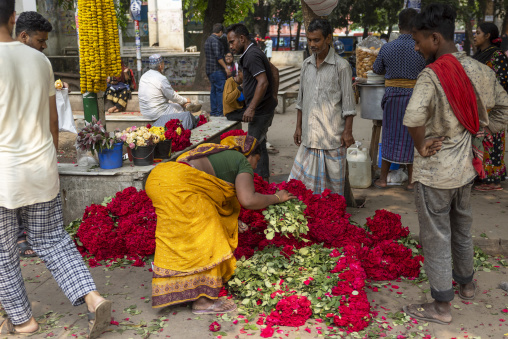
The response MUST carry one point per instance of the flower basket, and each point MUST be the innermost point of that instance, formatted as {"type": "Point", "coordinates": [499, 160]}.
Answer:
{"type": "Point", "coordinates": [143, 155]}
{"type": "Point", "coordinates": [111, 158]}
{"type": "Point", "coordinates": [163, 150]}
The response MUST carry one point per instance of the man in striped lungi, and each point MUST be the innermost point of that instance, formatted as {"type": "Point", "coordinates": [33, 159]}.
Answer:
{"type": "Point", "coordinates": [326, 108]}
{"type": "Point", "coordinates": [402, 65]}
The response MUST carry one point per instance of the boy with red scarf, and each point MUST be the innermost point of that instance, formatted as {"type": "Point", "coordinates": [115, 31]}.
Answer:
{"type": "Point", "coordinates": [454, 99]}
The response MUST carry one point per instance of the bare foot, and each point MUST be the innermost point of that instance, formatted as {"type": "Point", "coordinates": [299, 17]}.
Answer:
{"type": "Point", "coordinates": [28, 251]}
{"type": "Point", "coordinates": [410, 187]}
{"type": "Point", "coordinates": [206, 306]}
{"type": "Point", "coordinates": [111, 109]}
{"type": "Point", "coordinates": [437, 311]}
{"type": "Point", "coordinates": [380, 183]}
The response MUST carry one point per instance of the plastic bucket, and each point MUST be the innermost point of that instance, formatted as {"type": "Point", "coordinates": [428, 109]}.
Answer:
{"type": "Point", "coordinates": [163, 150]}
{"type": "Point", "coordinates": [393, 167]}
{"type": "Point", "coordinates": [111, 158]}
{"type": "Point", "coordinates": [143, 155]}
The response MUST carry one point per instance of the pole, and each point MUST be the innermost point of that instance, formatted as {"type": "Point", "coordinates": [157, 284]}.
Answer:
{"type": "Point", "coordinates": [138, 48]}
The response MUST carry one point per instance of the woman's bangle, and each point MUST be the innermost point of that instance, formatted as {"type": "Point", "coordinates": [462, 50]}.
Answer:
{"type": "Point", "coordinates": [277, 197]}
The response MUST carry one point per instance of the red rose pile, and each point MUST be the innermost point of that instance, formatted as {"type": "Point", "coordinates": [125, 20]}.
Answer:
{"type": "Point", "coordinates": [124, 227]}
{"type": "Point", "coordinates": [180, 137]}
{"type": "Point", "coordinates": [202, 120]}
{"type": "Point", "coordinates": [290, 311]}
{"type": "Point", "coordinates": [378, 250]}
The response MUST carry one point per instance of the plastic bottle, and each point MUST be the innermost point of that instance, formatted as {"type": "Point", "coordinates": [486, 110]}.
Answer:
{"type": "Point", "coordinates": [359, 164]}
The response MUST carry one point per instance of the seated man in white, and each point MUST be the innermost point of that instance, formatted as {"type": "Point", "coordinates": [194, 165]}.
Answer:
{"type": "Point", "coordinates": [158, 101]}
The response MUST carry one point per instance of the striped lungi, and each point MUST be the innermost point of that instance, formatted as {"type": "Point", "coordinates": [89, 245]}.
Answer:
{"type": "Point", "coordinates": [397, 144]}
{"type": "Point", "coordinates": [320, 169]}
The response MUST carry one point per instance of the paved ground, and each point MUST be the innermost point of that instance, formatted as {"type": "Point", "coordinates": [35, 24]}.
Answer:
{"type": "Point", "coordinates": [129, 288]}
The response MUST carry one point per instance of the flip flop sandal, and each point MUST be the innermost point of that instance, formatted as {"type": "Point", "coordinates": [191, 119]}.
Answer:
{"type": "Point", "coordinates": [463, 297]}
{"type": "Point", "coordinates": [487, 188]}
{"type": "Point", "coordinates": [99, 320]}
{"type": "Point", "coordinates": [7, 327]}
{"type": "Point", "coordinates": [424, 315]}
{"type": "Point", "coordinates": [213, 308]}
{"type": "Point", "coordinates": [23, 247]}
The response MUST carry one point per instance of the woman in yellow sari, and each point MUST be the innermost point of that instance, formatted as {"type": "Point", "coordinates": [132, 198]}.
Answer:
{"type": "Point", "coordinates": [197, 200]}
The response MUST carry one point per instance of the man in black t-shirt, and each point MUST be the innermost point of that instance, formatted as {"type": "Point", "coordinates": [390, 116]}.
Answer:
{"type": "Point", "coordinates": [260, 86]}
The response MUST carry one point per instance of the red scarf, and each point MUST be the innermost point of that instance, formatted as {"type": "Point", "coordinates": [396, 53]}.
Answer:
{"type": "Point", "coordinates": [462, 98]}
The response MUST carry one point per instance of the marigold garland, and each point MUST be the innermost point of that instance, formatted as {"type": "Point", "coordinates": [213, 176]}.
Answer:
{"type": "Point", "coordinates": [99, 45]}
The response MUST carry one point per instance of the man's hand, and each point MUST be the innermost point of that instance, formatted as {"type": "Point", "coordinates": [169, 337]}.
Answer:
{"type": "Point", "coordinates": [347, 139]}
{"type": "Point", "coordinates": [228, 73]}
{"type": "Point", "coordinates": [66, 85]}
{"type": "Point", "coordinates": [298, 136]}
{"type": "Point", "coordinates": [248, 115]}
{"type": "Point", "coordinates": [430, 146]}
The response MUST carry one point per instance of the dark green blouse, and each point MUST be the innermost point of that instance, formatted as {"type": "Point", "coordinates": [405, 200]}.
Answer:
{"type": "Point", "coordinates": [228, 164]}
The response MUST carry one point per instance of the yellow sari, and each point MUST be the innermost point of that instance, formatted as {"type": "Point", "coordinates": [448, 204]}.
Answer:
{"type": "Point", "coordinates": [196, 235]}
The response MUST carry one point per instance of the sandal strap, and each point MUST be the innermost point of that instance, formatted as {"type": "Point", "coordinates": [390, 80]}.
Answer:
{"type": "Point", "coordinates": [91, 315]}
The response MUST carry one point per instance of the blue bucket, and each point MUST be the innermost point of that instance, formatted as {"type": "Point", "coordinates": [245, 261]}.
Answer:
{"type": "Point", "coordinates": [111, 158]}
{"type": "Point", "coordinates": [393, 167]}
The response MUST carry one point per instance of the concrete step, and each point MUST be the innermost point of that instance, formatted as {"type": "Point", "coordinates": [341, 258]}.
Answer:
{"type": "Point", "coordinates": [283, 86]}
{"type": "Point", "coordinates": [289, 76]}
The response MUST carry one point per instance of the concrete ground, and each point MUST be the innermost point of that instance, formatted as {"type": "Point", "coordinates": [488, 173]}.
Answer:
{"type": "Point", "coordinates": [129, 287]}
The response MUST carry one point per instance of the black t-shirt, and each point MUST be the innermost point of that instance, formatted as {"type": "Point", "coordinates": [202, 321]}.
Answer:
{"type": "Point", "coordinates": [254, 62]}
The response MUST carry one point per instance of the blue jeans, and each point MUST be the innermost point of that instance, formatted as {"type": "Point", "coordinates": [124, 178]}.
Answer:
{"type": "Point", "coordinates": [217, 80]}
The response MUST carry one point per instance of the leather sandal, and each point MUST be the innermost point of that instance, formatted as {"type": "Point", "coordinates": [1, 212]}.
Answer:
{"type": "Point", "coordinates": [7, 327]}
{"type": "Point", "coordinates": [99, 320]}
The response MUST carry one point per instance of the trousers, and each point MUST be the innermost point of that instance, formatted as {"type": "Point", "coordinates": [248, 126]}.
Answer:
{"type": "Point", "coordinates": [258, 129]}
{"type": "Point", "coordinates": [46, 234]}
{"type": "Point", "coordinates": [445, 219]}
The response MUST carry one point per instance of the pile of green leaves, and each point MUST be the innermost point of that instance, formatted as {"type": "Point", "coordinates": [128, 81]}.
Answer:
{"type": "Point", "coordinates": [286, 218]}
{"type": "Point", "coordinates": [268, 271]}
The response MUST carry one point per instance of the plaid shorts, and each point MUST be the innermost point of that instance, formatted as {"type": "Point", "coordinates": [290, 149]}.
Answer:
{"type": "Point", "coordinates": [46, 234]}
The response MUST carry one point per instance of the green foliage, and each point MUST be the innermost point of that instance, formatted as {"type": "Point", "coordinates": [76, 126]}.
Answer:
{"type": "Point", "coordinates": [481, 261]}
{"type": "Point", "coordinates": [73, 227]}
{"type": "Point", "coordinates": [122, 13]}
{"type": "Point", "coordinates": [286, 218]}
{"type": "Point", "coordinates": [236, 10]}
{"type": "Point", "coordinates": [269, 271]}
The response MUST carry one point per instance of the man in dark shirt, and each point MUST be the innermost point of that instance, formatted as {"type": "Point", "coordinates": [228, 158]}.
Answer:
{"type": "Point", "coordinates": [216, 69]}
{"type": "Point", "coordinates": [260, 86]}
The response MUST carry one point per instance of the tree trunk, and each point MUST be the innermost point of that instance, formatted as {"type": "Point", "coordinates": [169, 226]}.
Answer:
{"type": "Point", "coordinates": [278, 34]}
{"type": "Point", "coordinates": [214, 13]}
{"type": "Point", "coordinates": [365, 31]}
{"type": "Point", "coordinates": [259, 17]}
{"type": "Point", "coordinates": [298, 31]}
{"type": "Point", "coordinates": [469, 41]}
{"type": "Point", "coordinates": [308, 15]}
{"type": "Point", "coordinates": [290, 36]}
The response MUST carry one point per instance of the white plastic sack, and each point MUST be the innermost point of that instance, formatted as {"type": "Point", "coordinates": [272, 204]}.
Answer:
{"type": "Point", "coordinates": [65, 117]}
{"type": "Point", "coordinates": [322, 8]}
{"type": "Point", "coordinates": [397, 177]}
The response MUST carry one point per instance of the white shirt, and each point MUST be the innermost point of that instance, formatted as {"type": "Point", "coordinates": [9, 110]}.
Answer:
{"type": "Point", "coordinates": [268, 48]}
{"type": "Point", "coordinates": [154, 93]}
{"type": "Point", "coordinates": [28, 164]}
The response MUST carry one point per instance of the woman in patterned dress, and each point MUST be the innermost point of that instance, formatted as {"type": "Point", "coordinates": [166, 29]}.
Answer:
{"type": "Point", "coordinates": [487, 41]}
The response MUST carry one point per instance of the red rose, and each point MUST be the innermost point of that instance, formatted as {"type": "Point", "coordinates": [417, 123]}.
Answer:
{"type": "Point", "coordinates": [267, 332]}
{"type": "Point", "coordinates": [214, 327]}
